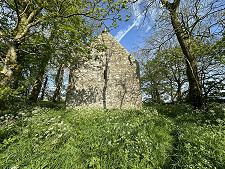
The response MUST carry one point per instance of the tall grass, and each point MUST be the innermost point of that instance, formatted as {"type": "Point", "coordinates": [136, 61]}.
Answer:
{"type": "Point", "coordinates": [199, 135]}
{"type": "Point", "coordinates": [48, 136]}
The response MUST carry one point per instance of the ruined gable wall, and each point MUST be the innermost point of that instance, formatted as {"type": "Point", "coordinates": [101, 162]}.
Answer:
{"type": "Point", "coordinates": [112, 81]}
{"type": "Point", "coordinates": [85, 85]}
{"type": "Point", "coordinates": [123, 77]}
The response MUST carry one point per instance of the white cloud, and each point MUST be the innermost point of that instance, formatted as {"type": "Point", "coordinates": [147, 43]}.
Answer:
{"type": "Point", "coordinates": [123, 32]}
{"type": "Point", "coordinates": [138, 18]}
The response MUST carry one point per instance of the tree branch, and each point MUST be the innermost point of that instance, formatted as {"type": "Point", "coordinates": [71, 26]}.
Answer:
{"type": "Point", "coordinates": [25, 9]}
{"type": "Point", "coordinates": [171, 6]}
{"type": "Point", "coordinates": [17, 10]}
{"type": "Point", "coordinates": [3, 36]}
{"type": "Point", "coordinates": [166, 3]}
{"type": "Point", "coordinates": [84, 14]}
{"type": "Point", "coordinates": [33, 14]}
{"type": "Point", "coordinates": [176, 3]}
{"type": "Point", "coordinates": [212, 86]}
{"type": "Point", "coordinates": [21, 35]}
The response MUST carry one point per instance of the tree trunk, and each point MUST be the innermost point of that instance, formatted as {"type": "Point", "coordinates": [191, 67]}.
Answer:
{"type": "Point", "coordinates": [44, 88]}
{"type": "Point", "coordinates": [9, 64]}
{"type": "Point", "coordinates": [24, 23]}
{"type": "Point", "coordinates": [157, 95]}
{"type": "Point", "coordinates": [58, 82]}
{"type": "Point", "coordinates": [37, 85]}
{"type": "Point", "coordinates": [179, 86]}
{"type": "Point", "coordinates": [18, 74]}
{"type": "Point", "coordinates": [184, 39]}
{"type": "Point", "coordinates": [179, 95]}
{"type": "Point", "coordinates": [171, 91]}
{"type": "Point", "coordinates": [27, 91]}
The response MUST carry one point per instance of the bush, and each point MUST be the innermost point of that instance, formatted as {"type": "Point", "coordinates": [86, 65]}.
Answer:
{"type": "Point", "coordinates": [7, 96]}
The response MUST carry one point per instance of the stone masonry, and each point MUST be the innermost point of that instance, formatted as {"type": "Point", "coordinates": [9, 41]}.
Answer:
{"type": "Point", "coordinates": [111, 79]}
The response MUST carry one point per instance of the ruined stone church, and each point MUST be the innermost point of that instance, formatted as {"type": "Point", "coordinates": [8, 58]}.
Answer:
{"type": "Point", "coordinates": [111, 79]}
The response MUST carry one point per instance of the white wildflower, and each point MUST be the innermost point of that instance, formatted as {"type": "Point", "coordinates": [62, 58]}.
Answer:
{"type": "Point", "coordinates": [15, 167]}
{"type": "Point", "coordinates": [51, 128]}
{"type": "Point", "coordinates": [26, 131]}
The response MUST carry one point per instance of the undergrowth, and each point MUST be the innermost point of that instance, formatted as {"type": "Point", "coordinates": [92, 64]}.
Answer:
{"type": "Point", "coordinates": [171, 136]}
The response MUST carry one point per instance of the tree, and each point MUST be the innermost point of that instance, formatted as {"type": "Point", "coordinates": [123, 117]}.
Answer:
{"type": "Point", "coordinates": [44, 88]}
{"type": "Point", "coordinates": [211, 68]}
{"type": "Point", "coordinates": [153, 80]}
{"type": "Point", "coordinates": [163, 75]}
{"type": "Point", "coordinates": [187, 21]}
{"type": "Point", "coordinates": [19, 18]}
{"type": "Point", "coordinates": [58, 83]}
{"type": "Point", "coordinates": [174, 62]}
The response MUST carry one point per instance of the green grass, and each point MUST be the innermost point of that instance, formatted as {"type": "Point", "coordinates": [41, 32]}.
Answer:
{"type": "Point", "coordinates": [172, 136]}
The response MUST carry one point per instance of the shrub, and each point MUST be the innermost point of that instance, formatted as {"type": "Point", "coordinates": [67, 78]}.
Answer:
{"type": "Point", "coordinates": [7, 96]}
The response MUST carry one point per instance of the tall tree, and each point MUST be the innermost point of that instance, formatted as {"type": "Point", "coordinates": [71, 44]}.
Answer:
{"type": "Point", "coordinates": [163, 75]}
{"type": "Point", "coordinates": [43, 90]}
{"type": "Point", "coordinates": [186, 19]}
{"type": "Point", "coordinates": [58, 83]}
{"type": "Point", "coordinates": [40, 76]}
{"type": "Point", "coordinates": [18, 18]}
{"type": "Point", "coordinates": [184, 39]}
{"type": "Point", "coordinates": [211, 68]}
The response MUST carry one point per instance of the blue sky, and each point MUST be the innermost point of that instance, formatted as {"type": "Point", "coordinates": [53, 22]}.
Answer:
{"type": "Point", "coordinates": [132, 34]}
{"type": "Point", "coordinates": [133, 39]}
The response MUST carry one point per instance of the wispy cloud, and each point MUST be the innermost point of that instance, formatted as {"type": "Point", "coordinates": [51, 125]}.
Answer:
{"type": "Point", "coordinates": [123, 32]}
{"type": "Point", "coordinates": [138, 17]}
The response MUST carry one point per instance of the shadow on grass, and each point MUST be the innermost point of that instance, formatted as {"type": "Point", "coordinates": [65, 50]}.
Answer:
{"type": "Point", "coordinates": [183, 113]}
{"type": "Point", "coordinates": [52, 105]}
{"type": "Point", "coordinates": [184, 116]}
{"type": "Point", "coordinates": [16, 107]}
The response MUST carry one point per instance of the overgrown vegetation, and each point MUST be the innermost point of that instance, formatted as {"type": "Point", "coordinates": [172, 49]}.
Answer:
{"type": "Point", "coordinates": [182, 62]}
{"type": "Point", "coordinates": [37, 37]}
{"type": "Point", "coordinates": [170, 136]}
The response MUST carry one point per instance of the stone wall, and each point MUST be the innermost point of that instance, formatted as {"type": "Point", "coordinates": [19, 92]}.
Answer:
{"type": "Point", "coordinates": [110, 80]}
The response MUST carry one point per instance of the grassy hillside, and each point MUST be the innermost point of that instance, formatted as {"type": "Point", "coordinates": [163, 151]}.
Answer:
{"type": "Point", "coordinates": [170, 136]}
